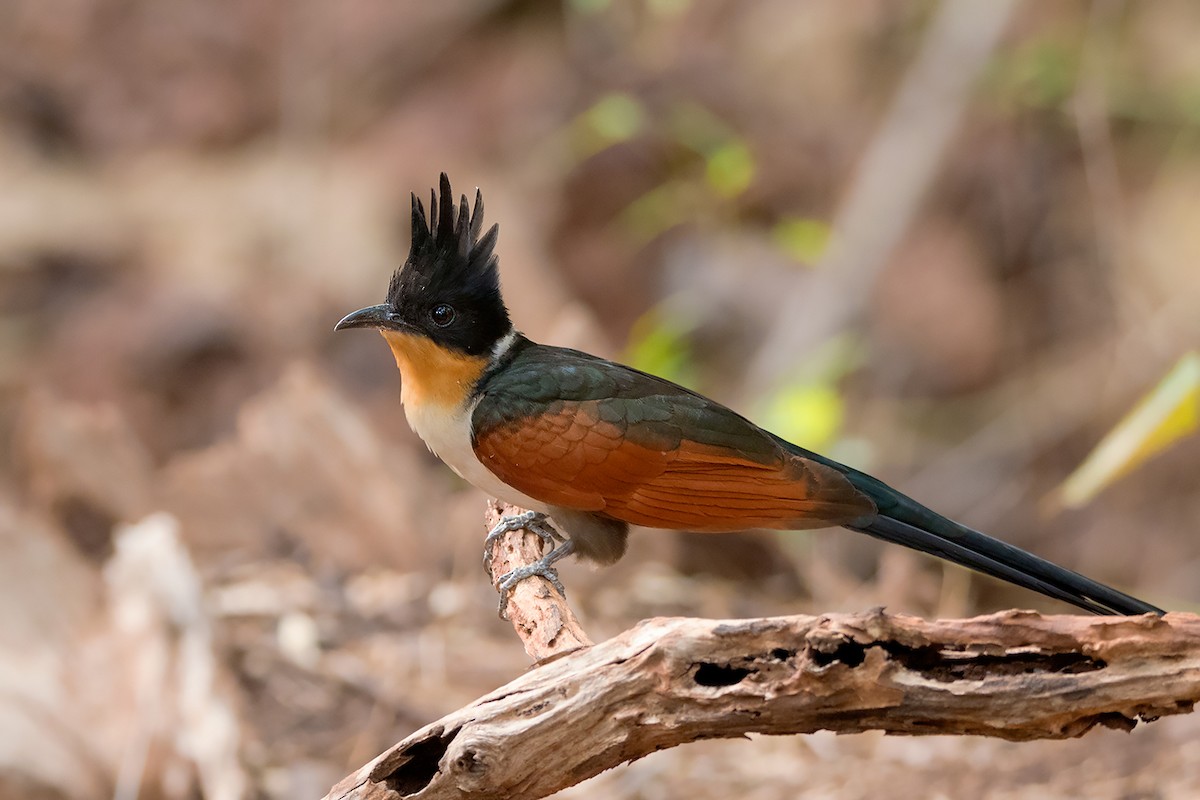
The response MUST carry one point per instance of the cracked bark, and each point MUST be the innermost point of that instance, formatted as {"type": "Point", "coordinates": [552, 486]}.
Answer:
{"type": "Point", "coordinates": [540, 616]}
{"type": "Point", "coordinates": [1016, 675]}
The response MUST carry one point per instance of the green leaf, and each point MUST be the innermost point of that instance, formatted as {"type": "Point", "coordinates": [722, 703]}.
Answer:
{"type": "Point", "coordinates": [802, 238]}
{"type": "Point", "coordinates": [659, 209]}
{"type": "Point", "coordinates": [589, 6]}
{"type": "Point", "coordinates": [668, 8]}
{"type": "Point", "coordinates": [808, 414]}
{"type": "Point", "coordinates": [697, 128]}
{"type": "Point", "coordinates": [730, 169]}
{"type": "Point", "coordinates": [616, 116]}
{"type": "Point", "coordinates": [659, 344]}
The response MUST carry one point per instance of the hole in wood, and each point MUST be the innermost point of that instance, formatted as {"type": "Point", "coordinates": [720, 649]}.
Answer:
{"type": "Point", "coordinates": [421, 765]}
{"type": "Point", "coordinates": [720, 674]}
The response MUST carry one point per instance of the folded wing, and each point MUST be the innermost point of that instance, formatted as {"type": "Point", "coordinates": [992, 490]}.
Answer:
{"type": "Point", "coordinates": [654, 455]}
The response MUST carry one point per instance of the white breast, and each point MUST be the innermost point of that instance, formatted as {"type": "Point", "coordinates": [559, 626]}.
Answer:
{"type": "Point", "coordinates": [447, 432]}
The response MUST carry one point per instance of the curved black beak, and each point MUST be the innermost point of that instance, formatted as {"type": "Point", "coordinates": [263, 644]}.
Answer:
{"type": "Point", "coordinates": [369, 317]}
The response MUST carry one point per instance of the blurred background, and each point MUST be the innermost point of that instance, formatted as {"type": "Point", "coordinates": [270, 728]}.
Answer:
{"type": "Point", "coordinates": [953, 244]}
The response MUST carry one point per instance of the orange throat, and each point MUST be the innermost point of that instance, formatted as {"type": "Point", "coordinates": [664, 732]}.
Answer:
{"type": "Point", "coordinates": [431, 375]}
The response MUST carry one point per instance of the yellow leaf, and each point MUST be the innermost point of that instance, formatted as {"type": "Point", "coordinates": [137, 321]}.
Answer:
{"type": "Point", "coordinates": [1169, 413]}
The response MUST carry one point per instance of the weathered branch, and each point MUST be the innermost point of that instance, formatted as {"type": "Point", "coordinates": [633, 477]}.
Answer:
{"type": "Point", "coordinates": [538, 612]}
{"type": "Point", "coordinates": [1015, 675]}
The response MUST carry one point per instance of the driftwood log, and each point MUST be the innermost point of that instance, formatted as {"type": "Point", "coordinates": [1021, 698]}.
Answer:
{"type": "Point", "coordinates": [1016, 675]}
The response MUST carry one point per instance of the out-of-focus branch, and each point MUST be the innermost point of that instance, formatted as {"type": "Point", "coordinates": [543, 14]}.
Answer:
{"type": "Point", "coordinates": [891, 180]}
{"type": "Point", "coordinates": [1016, 675]}
{"type": "Point", "coordinates": [1090, 107]}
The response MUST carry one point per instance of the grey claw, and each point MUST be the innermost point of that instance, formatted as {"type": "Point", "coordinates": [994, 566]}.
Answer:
{"type": "Point", "coordinates": [543, 567]}
{"type": "Point", "coordinates": [532, 521]}
{"type": "Point", "coordinates": [509, 581]}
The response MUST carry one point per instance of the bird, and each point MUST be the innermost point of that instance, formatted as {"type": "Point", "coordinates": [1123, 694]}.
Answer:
{"type": "Point", "coordinates": [591, 446]}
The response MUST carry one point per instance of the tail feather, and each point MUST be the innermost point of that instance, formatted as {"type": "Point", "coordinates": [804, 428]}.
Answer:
{"type": "Point", "coordinates": [904, 521]}
{"type": "Point", "coordinates": [992, 557]}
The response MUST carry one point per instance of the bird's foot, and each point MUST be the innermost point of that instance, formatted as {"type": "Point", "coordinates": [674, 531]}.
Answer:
{"type": "Point", "coordinates": [533, 521]}
{"type": "Point", "coordinates": [543, 567]}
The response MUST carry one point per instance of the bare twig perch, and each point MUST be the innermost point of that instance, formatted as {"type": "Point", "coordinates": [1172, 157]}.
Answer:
{"type": "Point", "coordinates": [1016, 675]}
{"type": "Point", "coordinates": [538, 613]}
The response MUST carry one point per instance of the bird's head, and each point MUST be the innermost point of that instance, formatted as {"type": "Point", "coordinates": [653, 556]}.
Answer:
{"type": "Point", "coordinates": [447, 293]}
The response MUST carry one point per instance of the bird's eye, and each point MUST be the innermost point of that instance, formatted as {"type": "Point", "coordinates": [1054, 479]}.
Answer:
{"type": "Point", "coordinates": [442, 315]}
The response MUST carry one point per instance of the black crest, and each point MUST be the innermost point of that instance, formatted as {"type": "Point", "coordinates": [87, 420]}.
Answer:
{"type": "Point", "coordinates": [451, 264]}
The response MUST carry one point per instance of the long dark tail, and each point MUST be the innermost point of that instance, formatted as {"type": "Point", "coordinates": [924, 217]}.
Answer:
{"type": "Point", "coordinates": [904, 521]}
{"type": "Point", "coordinates": [970, 548]}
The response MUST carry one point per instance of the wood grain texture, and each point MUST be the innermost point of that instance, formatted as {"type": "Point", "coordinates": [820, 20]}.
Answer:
{"type": "Point", "coordinates": [540, 615]}
{"type": "Point", "coordinates": [1015, 675]}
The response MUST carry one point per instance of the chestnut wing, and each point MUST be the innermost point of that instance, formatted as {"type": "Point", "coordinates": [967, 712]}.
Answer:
{"type": "Point", "coordinates": [589, 435]}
